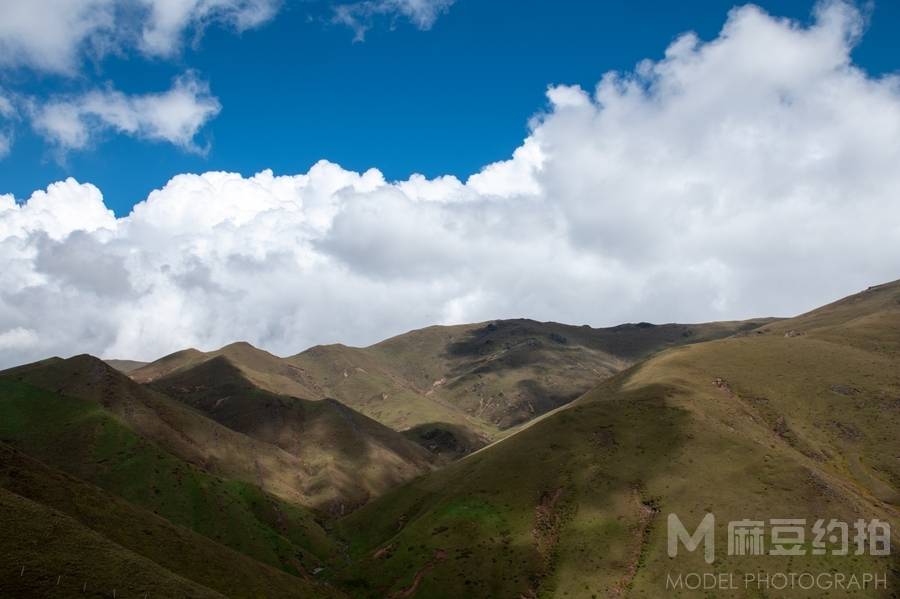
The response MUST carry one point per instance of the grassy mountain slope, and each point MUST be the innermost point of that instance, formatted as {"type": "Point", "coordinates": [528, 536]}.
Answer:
{"type": "Point", "coordinates": [348, 457]}
{"type": "Point", "coordinates": [83, 439]}
{"type": "Point", "coordinates": [372, 385]}
{"type": "Point", "coordinates": [64, 558]}
{"type": "Point", "coordinates": [488, 377]}
{"type": "Point", "coordinates": [260, 367]}
{"type": "Point", "coordinates": [507, 372]}
{"type": "Point", "coordinates": [179, 429]}
{"type": "Point", "coordinates": [95, 517]}
{"type": "Point", "coordinates": [348, 374]}
{"type": "Point", "coordinates": [797, 420]}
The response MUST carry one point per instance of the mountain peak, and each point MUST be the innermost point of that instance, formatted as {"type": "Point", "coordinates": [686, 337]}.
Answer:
{"type": "Point", "coordinates": [238, 345]}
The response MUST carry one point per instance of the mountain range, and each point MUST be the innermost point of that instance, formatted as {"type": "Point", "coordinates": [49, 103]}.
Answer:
{"type": "Point", "coordinates": [510, 458]}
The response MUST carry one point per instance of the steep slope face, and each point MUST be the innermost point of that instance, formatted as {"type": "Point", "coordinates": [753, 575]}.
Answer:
{"type": "Point", "coordinates": [348, 457]}
{"type": "Point", "coordinates": [796, 421]}
{"type": "Point", "coordinates": [84, 538]}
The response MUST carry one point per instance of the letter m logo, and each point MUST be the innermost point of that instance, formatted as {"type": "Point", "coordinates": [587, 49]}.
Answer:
{"type": "Point", "coordinates": [704, 533]}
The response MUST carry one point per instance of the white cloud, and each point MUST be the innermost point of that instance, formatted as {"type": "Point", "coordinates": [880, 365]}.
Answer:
{"type": "Point", "coordinates": [7, 113]}
{"type": "Point", "coordinates": [56, 35]}
{"type": "Point", "coordinates": [174, 116]}
{"type": "Point", "coordinates": [63, 208]}
{"type": "Point", "coordinates": [50, 35]}
{"type": "Point", "coordinates": [359, 15]}
{"type": "Point", "coordinates": [6, 107]}
{"type": "Point", "coordinates": [751, 175]}
{"type": "Point", "coordinates": [167, 21]}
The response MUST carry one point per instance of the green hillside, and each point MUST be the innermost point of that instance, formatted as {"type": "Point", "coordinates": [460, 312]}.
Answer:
{"type": "Point", "coordinates": [170, 424]}
{"type": "Point", "coordinates": [86, 441]}
{"type": "Point", "coordinates": [796, 420]}
{"type": "Point", "coordinates": [63, 515]}
{"type": "Point", "coordinates": [63, 558]}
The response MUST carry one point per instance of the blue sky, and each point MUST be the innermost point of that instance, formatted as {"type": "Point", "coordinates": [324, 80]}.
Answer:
{"type": "Point", "coordinates": [583, 162]}
{"type": "Point", "coordinates": [444, 101]}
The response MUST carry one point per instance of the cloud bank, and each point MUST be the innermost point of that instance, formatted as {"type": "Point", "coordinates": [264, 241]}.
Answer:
{"type": "Point", "coordinates": [754, 174]}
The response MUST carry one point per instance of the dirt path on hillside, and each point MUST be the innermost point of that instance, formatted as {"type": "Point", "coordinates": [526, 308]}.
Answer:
{"type": "Point", "coordinates": [647, 511]}
{"type": "Point", "coordinates": [439, 556]}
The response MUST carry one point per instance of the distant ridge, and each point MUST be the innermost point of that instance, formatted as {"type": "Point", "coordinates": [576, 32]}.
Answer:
{"type": "Point", "coordinates": [454, 389]}
{"type": "Point", "coordinates": [125, 366]}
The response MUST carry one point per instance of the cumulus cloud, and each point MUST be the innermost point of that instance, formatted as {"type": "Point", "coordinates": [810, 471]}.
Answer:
{"type": "Point", "coordinates": [174, 116]}
{"type": "Point", "coordinates": [753, 174]}
{"type": "Point", "coordinates": [359, 16]}
{"type": "Point", "coordinates": [51, 34]}
{"type": "Point", "coordinates": [56, 35]}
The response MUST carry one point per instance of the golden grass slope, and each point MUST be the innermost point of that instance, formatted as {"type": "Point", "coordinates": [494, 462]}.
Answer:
{"type": "Point", "coordinates": [487, 377]}
{"type": "Point", "coordinates": [454, 388]}
{"type": "Point", "coordinates": [260, 367]}
{"type": "Point", "coordinates": [346, 457]}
